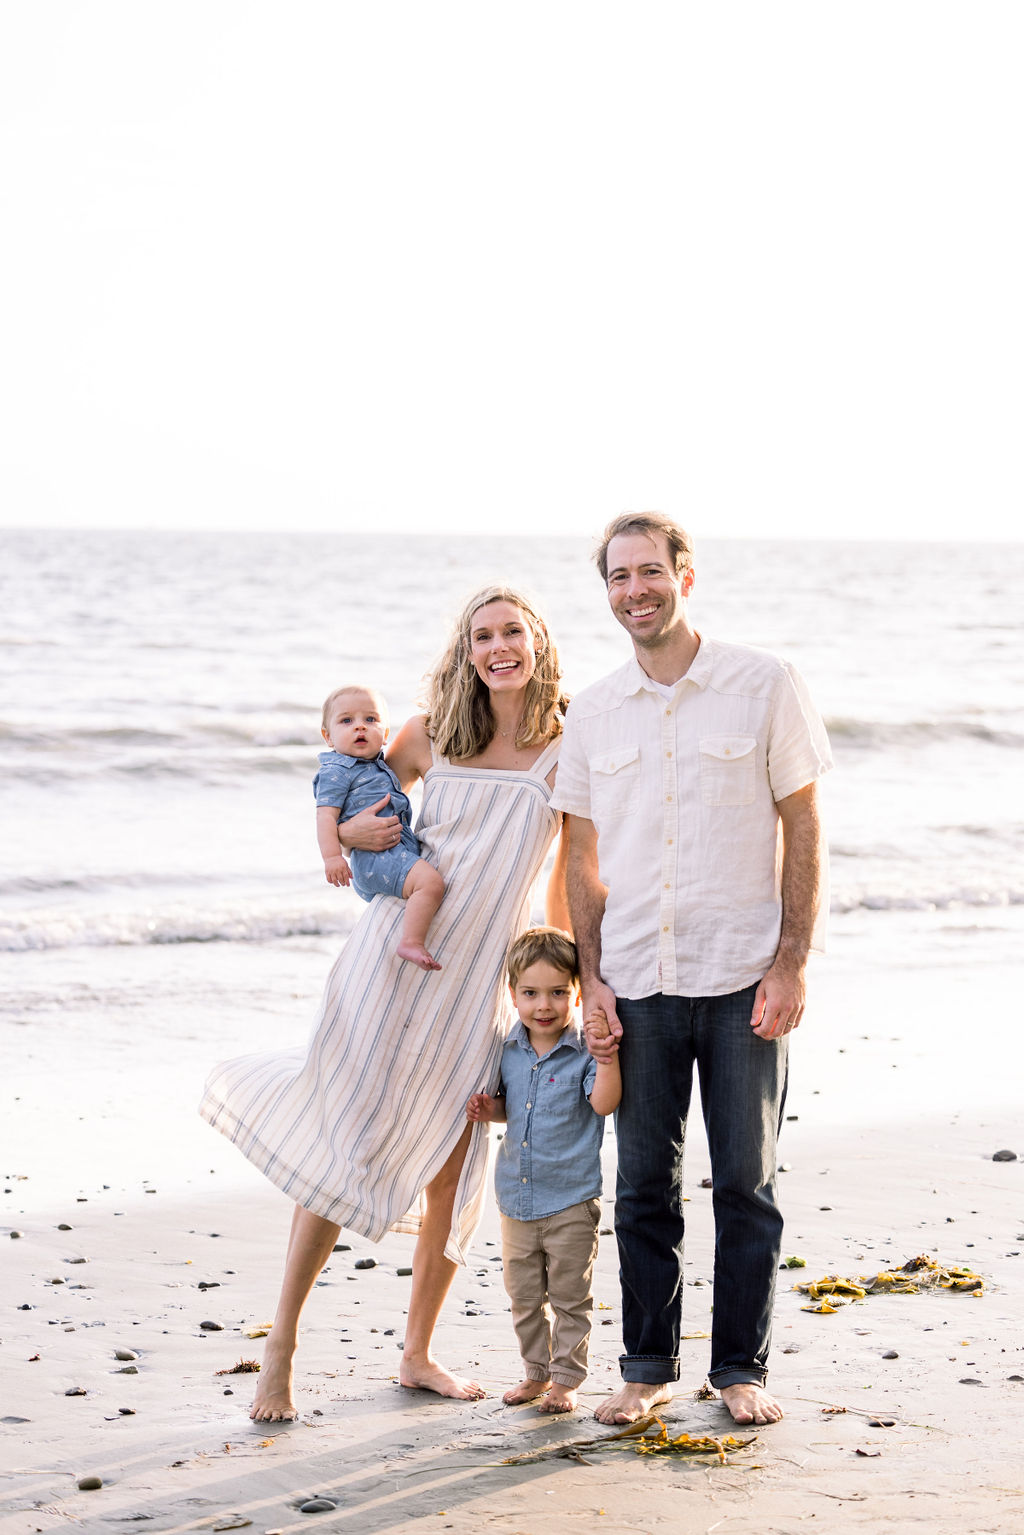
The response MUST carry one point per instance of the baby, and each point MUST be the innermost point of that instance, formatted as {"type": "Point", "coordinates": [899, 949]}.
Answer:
{"type": "Point", "coordinates": [553, 1098]}
{"type": "Point", "coordinates": [352, 776]}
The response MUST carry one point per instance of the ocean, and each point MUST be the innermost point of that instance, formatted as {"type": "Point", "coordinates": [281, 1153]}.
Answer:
{"type": "Point", "coordinates": [159, 728]}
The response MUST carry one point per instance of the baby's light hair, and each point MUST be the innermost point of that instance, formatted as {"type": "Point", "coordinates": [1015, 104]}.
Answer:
{"type": "Point", "coordinates": [353, 687]}
{"type": "Point", "coordinates": [542, 943]}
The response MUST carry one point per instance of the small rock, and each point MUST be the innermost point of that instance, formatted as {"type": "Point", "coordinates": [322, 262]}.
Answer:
{"type": "Point", "coordinates": [228, 1391]}
{"type": "Point", "coordinates": [706, 1183]}
{"type": "Point", "coordinates": [29, 1420]}
{"type": "Point", "coordinates": [127, 1412]}
{"type": "Point", "coordinates": [881, 1423]}
{"type": "Point", "coordinates": [90, 1483]}
{"type": "Point", "coordinates": [997, 1156]}
{"type": "Point", "coordinates": [127, 1369]}
{"type": "Point", "coordinates": [402, 1273]}
{"type": "Point", "coordinates": [389, 1332]}
{"type": "Point", "coordinates": [126, 1355]}
{"type": "Point", "coordinates": [366, 1263]}
{"type": "Point", "coordinates": [16, 1234]}
{"type": "Point", "coordinates": [341, 1247]}
{"type": "Point", "coordinates": [65, 1227]}
{"type": "Point", "coordinates": [890, 1353]}
{"type": "Point", "coordinates": [969, 1380]}
{"type": "Point", "coordinates": [212, 1326]}
{"type": "Point", "coordinates": [209, 1284]}
{"type": "Point", "coordinates": [317, 1506]}
{"type": "Point", "coordinates": [25, 1306]}
{"type": "Point", "coordinates": [785, 1167]}
{"type": "Point", "coordinates": [75, 1391]}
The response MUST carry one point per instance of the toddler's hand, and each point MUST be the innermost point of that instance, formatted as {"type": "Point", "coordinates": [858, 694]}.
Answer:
{"type": "Point", "coordinates": [337, 870]}
{"type": "Point", "coordinates": [601, 1042]}
{"type": "Point", "coordinates": [480, 1107]}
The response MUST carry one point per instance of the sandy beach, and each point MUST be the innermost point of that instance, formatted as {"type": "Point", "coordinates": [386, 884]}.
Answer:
{"type": "Point", "coordinates": [138, 1225]}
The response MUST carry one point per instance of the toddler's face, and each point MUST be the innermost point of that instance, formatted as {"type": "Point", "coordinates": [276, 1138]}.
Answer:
{"type": "Point", "coordinates": [356, 725]}
{"type": "Point", "coordinates": [545, 997]}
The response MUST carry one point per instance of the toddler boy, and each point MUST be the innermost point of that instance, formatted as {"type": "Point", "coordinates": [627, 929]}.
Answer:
{"type": "Point", "coordinates": [553, 1097]}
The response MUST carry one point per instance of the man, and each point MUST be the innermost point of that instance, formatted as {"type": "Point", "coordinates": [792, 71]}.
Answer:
{"type": "Point", "coordinates": [689, 780]}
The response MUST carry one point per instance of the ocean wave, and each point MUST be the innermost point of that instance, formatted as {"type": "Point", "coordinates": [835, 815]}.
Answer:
{"type": "Point", "coordinates": [844, 902]}
{"type": "Point", "coordinates": [194, 735]}
{"type": "Point", "coordinates": [72, 930]}
{"type": "Point", "coordinates": [880, 733]}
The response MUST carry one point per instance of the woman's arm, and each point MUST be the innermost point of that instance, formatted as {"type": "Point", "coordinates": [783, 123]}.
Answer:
{"type": "Point", "coordinates": [408, 758]}
{"type": "Point", "coordinates": [556, 902]}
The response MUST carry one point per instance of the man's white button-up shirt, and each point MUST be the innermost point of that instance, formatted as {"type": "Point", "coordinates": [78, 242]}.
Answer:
{"type": "Point", "coordinates": [681, 784]}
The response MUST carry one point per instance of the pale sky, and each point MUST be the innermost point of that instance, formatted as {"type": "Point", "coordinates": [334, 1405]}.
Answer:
{"type": "Point", "coordinates": [419, 265]}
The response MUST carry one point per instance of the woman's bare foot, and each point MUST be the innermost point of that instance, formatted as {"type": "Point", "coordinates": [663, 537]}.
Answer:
{"type": "Point", "coordinates": [749, 1403]}
{"type": "Point", "coordinates": [273, 1402]}
{"type": "Point", "coordinates": [527, 1391]}
{"type": "Point", "coordinates": [634, 1399]}
{"type": "Point", "coordinates": [417, 955]}
{"type": "Point", "coordinates": [427, 1375]}
{"type": "Point", "coordinates": [559, 1399]}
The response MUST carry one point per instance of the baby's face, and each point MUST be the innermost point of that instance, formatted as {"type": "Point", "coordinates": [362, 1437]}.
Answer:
{"type": "Point", "coordinates": [357, 725]}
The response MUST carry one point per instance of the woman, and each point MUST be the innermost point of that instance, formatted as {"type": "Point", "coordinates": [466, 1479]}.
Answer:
{"type": "Point", "coordinates": [367, 1128]}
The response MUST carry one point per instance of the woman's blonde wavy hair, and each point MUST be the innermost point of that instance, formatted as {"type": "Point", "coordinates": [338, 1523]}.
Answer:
{"type": "Point", "coordinates": [458, 708]}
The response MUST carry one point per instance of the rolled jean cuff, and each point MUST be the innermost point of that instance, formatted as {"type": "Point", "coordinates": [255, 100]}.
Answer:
{"type": "Point", "coordinates": [648, 1369]}
{"type": "Point", "coordinates": [751, 1377]}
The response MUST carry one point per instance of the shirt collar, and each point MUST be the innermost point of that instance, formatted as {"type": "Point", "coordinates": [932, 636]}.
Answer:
{"type": "Point", "coordinates": [351, 761]}
{"type": "Point", "coordinates": [699, 672]}
{"type": "Point", "coordinates": [572, 1036]}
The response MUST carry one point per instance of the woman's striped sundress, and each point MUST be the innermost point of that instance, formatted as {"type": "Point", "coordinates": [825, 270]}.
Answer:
{"type": "Point", "coordinates": [355, 1126]}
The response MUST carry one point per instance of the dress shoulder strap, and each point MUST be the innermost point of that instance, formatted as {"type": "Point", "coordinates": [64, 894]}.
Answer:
{"type": "Point", "coordinates": [547, 759]}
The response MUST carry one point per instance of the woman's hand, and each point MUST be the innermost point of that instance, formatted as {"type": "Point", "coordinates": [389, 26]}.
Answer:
{"type": "Point", "coordinates": [370, 832]}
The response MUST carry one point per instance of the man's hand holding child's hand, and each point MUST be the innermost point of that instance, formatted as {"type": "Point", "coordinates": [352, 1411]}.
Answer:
{"type": "Point", "coordinates": [337, 870]}
{"type": "Point", "coordinates": [601, 1042]}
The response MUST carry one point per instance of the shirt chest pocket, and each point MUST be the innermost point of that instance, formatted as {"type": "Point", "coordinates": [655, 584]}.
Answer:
{"type": "Point", "coordinates": [614, 782]}
{"type": "Point", "coordinates": [727, 769]}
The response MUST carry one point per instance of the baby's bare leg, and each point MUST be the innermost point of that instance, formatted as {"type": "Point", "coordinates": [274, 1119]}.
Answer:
{"type": "Point", "coordinates": [422, 892]}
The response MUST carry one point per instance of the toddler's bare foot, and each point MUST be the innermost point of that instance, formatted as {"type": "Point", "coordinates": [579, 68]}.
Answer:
{"type": "Point", "coordinates": [527, 1391]}
{"type": "Point", "coordinates": [634, 1399]}
{"type": "Point", "coordinates": [750, 1403]}
{"type": "Point", "coordinates": [428, 1375]}
{"type": "Point", "coordinates": [559, 1399]}
{"type": "Point", "coordinates": [417, 955]}
{"type": "Point", "coordinates": [273, 1402]}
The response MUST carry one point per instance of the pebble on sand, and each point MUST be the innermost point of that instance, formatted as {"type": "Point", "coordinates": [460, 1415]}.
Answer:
{"type": "Point", "coordinates": [126, 1355]}
{"type": "Point", "coordinates": [75, 1391]}
{"type": "Point", "coordinates": [90, 1483]}
{"type": "Point", "coordinates": [366, 1263]}
{"type": "Point", "coordinates": [212, 1326]}
{"type": "Point", "coordinates": [997, 1156]}
{"type": "Point", "coordinates": [317, 1506]}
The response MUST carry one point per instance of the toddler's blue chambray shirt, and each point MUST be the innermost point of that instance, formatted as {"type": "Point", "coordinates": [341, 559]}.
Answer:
{"type": "Point", "coordinates": [550, 1157]}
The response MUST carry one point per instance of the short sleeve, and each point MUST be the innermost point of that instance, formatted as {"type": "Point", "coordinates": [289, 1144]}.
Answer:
{"type": "Point", "coordinates": [589, 1076]}
{"type": "Point", "coordinates": [798, 747]}
{"type": "Point", "coordinates": [572, 781]}
{"type": "Point", "coordinates": [331, 784]}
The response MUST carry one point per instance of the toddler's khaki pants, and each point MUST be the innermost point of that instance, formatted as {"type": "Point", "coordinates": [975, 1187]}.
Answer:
{"type": "Point", "coordinates": [548, 1265]}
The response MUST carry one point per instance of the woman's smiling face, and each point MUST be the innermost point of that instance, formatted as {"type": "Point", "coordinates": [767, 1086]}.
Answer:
{"type": "Point", "coordinates": [502, 646]}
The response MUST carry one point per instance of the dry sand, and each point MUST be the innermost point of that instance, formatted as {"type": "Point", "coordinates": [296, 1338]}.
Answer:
{"type": "Point", "coordinates": [903, 1089]}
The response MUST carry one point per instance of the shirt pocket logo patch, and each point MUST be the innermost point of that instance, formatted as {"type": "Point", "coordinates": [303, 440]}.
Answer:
{"type": "Point", "coordinates": [727, 769]}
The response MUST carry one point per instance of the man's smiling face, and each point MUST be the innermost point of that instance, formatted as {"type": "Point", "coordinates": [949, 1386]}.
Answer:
{"type": "Point", "coordinates": [646, 595]}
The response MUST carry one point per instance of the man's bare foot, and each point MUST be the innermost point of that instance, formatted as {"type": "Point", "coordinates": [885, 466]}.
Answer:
{"type": "Point", "coordinates": [417, 954]}
{"type": "Point", "coordinates": [273, 1402]}
{"type": "Point", "coordinates": [634, 1399]}
{"type": "Point", "coordinates": [559, 1399]}
{"type": "Point", "coordinates": [527, 1391]}
{"type": "Point", "coordinates": [429, 1376]}
{"type": "Point", "coordinates": [749, 1403]}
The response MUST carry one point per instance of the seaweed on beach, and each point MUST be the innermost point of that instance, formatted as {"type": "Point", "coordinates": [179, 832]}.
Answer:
{"type": "Point", "coordinates": [644, 1443]}
{"type": "Point", "coordinates": [243, 1367]}
{"type": "Point", "coordinates": [917, 1274]}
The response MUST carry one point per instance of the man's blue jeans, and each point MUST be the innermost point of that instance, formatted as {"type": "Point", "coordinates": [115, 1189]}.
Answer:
{"type": "Point", "coordinates": [743, 1091]}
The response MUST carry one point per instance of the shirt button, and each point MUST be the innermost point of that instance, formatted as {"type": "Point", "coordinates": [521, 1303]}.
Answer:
{"type": "Point", "coordinates": [526, 1143]}
{"type": "Point", "coordinates": [728, 751]}
{"type": "Point", "coordinates": [664, 930]}
{"type": "Point", "coordinates": [524, 1180]}
{"type": "Point", "coordinates": [535, 1068]}
{"type": "Point", "coordinates": [668, 842]}
{"type": "Point", "coordinates": [667, 885]}
{"type": "Point", "coordinates": [668, 754]}
{"type": "Point", "coordinates": [529, 1105]}
{"type": "Point", "coordinates": [668, 799]}
{"type": "Point", "coordinates": [669, 713]}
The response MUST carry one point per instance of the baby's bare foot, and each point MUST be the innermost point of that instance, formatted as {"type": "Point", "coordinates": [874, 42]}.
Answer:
{"type": "Point", "coordinates": [749, 1403]}
{"type": "Point", "coordinates": [526, 1391]}
{"type": "Point", "coordinates": [559, 1399]}
{"type": "Point", "coordinates": [273, 1402]}
{"type": "Point", "coordinates": [428, 1375]}
{"type": "Point", "coordinates": [634, 1399]}
{"type": "Point", "coordinates": [417, 955]}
